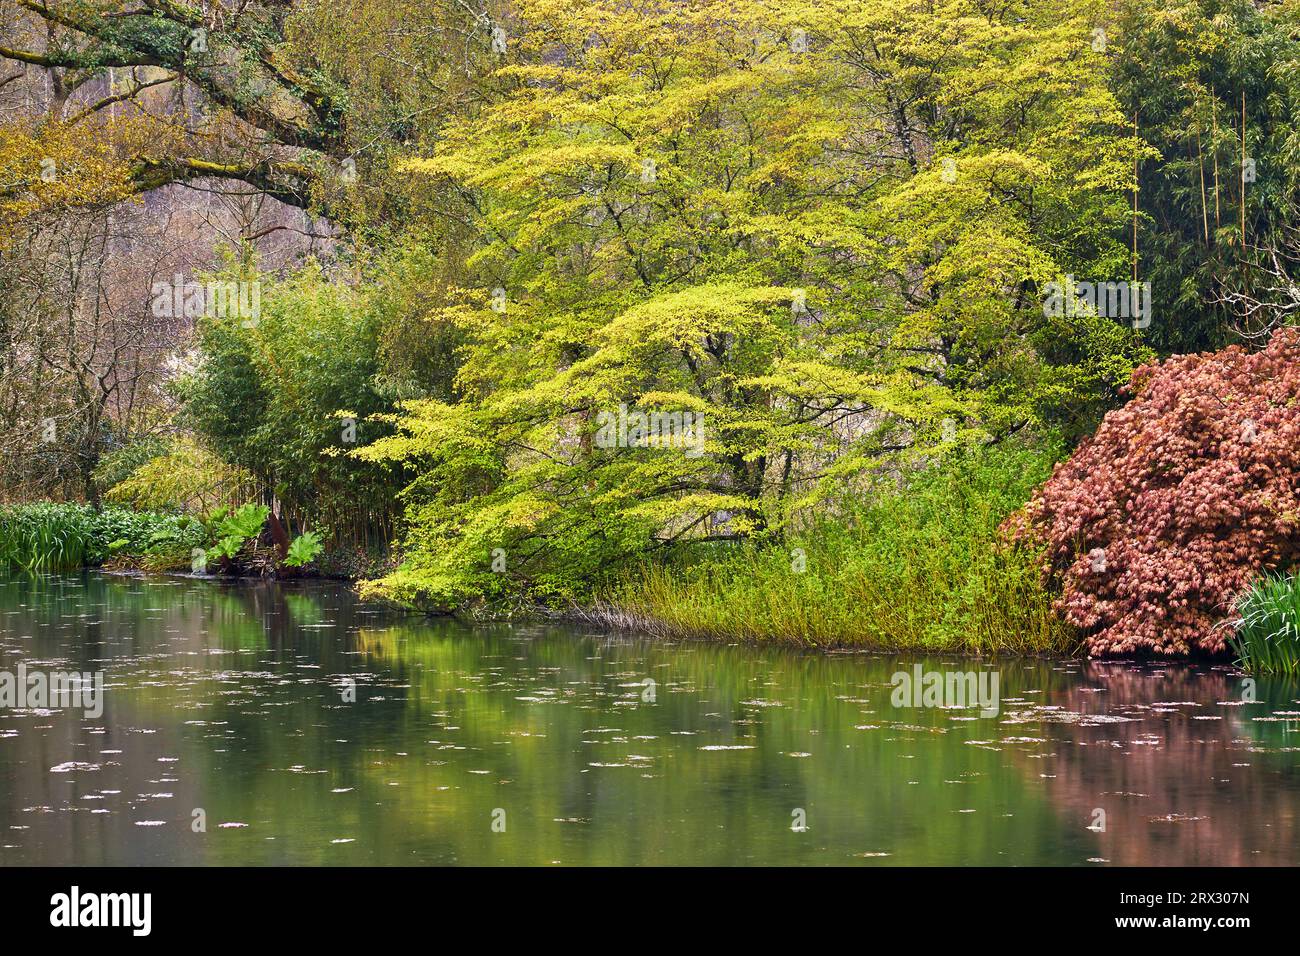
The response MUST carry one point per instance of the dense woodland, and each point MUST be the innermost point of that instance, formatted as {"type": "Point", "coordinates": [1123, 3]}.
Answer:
{"type": "Point", "coordinates": [450, 243]}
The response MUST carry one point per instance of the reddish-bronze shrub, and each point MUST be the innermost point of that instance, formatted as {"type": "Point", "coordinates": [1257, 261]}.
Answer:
{"type": "Point", "coordinates": [1181, 497]}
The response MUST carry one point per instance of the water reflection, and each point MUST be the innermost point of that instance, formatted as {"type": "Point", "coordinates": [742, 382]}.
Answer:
{"type": "Point", "coordinates": [235, 699]}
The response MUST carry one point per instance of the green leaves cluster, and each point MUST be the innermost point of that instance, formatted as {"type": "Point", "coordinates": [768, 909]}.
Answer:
{"type": "Point", "coordinates": [232, 529]}
{"type": "Point", "coordinates": [304, 549]}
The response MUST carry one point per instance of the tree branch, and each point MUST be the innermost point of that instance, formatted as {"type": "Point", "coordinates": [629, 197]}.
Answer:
{"type": "Point", "coordinates": [288, 182]}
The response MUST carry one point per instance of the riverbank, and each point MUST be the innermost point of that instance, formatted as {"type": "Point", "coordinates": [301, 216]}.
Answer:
{"type": "Point", "coordinates": [1001, 608]}
{"type": "Point", "coordinates": [922, 566]}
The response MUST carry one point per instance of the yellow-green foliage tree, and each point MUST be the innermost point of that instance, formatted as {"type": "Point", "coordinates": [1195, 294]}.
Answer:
{"type": "Point", "coordinates": [821, 227]}
{"type": "Point", "coordinates": [48, 168]}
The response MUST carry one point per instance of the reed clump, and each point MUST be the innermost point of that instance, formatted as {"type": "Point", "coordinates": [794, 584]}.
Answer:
{"type": "Point", "coordinates": [1266, 629]}
{"type": "Point", "coordinates": [922, 566]}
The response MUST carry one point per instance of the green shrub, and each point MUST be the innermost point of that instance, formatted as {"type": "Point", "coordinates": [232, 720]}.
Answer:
{"type": "Point", "coordinates": [234, 529]}
{"type": "Point", "coordinates": [182, 477]}
{"type": "Point", "coordinates": [118, 465]}
{"type": "Point", "coordinates": [269, 402]}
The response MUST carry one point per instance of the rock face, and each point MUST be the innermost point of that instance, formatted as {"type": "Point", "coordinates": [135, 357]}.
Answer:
{"type": "Point", "coordinates": [1180, 499]}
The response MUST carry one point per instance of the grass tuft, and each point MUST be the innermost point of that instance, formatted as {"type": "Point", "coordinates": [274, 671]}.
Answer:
{"type": "Point", "coordinates": [43, 538]}
{"type": "Point", "coordinates": [923, 567]}
{"type": "Point", "coordinates": [1266, 634]}
{"type": "Point", "coordinates": [48, 537]}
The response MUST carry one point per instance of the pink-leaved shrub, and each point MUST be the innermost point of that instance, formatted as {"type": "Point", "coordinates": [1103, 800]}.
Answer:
{"type": "Point", "coordinates": [1182, 496]}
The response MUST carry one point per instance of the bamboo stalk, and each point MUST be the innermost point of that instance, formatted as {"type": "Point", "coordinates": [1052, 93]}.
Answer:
{"type": "Point", "coordinates": [1243, 168]}
{"type": "Point", "coordinates": [1200, 158]}
{"type": "Point", "coordinates": [1214, 145]}
{"type": "Point", "coordinates": [1135, 197]}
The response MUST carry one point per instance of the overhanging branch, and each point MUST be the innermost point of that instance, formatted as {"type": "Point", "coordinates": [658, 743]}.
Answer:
{"type": "Point", "coordinates": [289, 182]}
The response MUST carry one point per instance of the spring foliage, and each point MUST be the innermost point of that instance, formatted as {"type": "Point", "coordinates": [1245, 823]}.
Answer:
{"type": "Point", "coordinates": [53, 167]}
{"type": "Point", "coordinates": [726, 208]}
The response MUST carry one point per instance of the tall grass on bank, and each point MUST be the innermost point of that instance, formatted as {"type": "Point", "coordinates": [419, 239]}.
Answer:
{"type": "Point", "coordinates": [922, 567]}
{"type": "Point", "coordinates": [1267, 626]}
{"type": "Point", "coordinates": [49, 537]}
{"type": "Point", "coordinates": [43, 537]}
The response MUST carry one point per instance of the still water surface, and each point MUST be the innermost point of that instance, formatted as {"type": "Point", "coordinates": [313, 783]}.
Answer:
{"type": "Point", "coordinates": [231, 698]}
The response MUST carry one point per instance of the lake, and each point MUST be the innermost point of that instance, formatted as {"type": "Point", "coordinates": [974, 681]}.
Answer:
{"type": "Point", "coordinates": [263, 723]}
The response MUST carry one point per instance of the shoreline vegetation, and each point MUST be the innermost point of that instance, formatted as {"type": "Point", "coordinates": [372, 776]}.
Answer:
{"type": "Point", "coordinates": [50, 537]}
{"type": "Point", "coordinates": [921, 567]}
{"type": "Point", "coordinates": [927, 563]}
